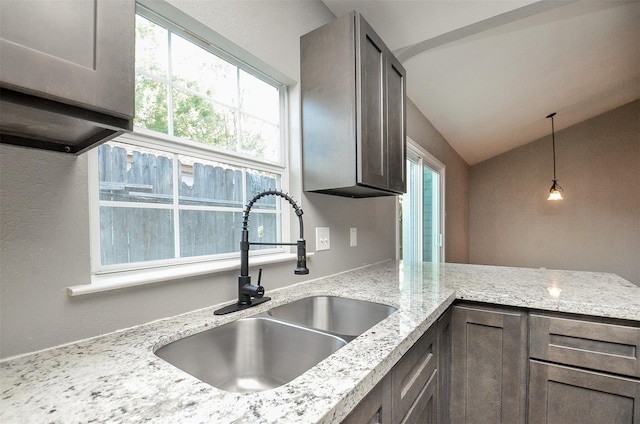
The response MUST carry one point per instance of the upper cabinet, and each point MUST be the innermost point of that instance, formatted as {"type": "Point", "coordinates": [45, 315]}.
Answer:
{"type": "Point", "coordinates": [353, 111]}
{"type": "Point", "coordinates": [66, 72]}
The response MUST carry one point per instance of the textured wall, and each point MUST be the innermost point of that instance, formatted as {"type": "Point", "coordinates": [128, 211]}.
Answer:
{"type": "Point", "coordinates": [597, 225]}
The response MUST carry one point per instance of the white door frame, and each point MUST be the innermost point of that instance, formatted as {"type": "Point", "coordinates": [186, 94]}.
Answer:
{"type": "Point", "coordinates": [434, 164]}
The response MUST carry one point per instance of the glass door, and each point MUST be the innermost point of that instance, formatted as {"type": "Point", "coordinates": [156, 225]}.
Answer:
{"type": "Point", "coordinates": [421, 208]}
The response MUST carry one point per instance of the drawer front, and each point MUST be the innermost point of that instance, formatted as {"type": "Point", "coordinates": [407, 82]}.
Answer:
{"type": "Point", "coordinates": [560, 394]}
{"type": "Point", "coordinates": [598, 346]}
{"type": "Point", "coordinates": [425, 408]}
{"type": "Point", "coordinates": [413, 372]}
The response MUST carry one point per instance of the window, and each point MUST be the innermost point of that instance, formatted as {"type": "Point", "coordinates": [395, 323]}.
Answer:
{"type": "Point", "coordinates": [207, 138]}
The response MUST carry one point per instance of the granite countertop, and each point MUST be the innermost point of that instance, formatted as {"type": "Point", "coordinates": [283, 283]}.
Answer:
{"type": "Point", "coordinates": [116, 378]}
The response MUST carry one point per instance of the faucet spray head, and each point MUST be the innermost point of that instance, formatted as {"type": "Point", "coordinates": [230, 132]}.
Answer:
{"type": "Point", "coordinates": [301, 264]}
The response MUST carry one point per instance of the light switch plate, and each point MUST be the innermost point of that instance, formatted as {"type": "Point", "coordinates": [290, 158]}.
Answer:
{"type": "Point", "coordinates": [353, 237]}
{"type": "Point", "coordinates": [323, 238]}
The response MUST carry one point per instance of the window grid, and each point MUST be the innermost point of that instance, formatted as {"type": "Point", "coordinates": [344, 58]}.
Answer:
{"type": "Point", "coordinates": [175, 147]}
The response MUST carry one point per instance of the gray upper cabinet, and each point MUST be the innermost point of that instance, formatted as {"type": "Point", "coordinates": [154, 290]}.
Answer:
{"type": "Point", "coordinates": [66, 72]}
{"type": "Point", "coordinates": [353, 111]}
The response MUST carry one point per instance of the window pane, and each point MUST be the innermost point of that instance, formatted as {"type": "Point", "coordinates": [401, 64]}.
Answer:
{"type": "Point", "coordinates": [260, 138]}
{"type": "Point", "coordinates": [257, 182]}
{"type": "Point", "coordinates": [263, 228]}
{"type": "Point", "coordinates": [208, 183]}
{"type": "Point", "coordinates": [134, 174]}
{"type": "Point", "coordinates": [259, 98]}
{"type": "Point", "coordinates": [199, 119]}
{"type": "Point", "coordinates": [151, 47]}
{"type": "Point", "coordinates": [209, 233]}
{"type": "Point", "coordinates": [201, 71]}
{"type": "Point", "coordinates": [135, 235]}
{"type": "Point", "coordinates": [152, 110]}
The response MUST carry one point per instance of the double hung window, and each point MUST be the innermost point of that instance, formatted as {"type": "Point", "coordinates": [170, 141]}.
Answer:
{"type": "Point", "coordinates": [208, 136]}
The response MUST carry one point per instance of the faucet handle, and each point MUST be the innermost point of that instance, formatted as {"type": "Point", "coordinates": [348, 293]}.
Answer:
{"type": "Point", "coordinates": [256, 291]}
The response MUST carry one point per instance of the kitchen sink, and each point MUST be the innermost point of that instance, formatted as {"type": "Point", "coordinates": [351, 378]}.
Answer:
{"type": "Point", "coordinates": [250, 354]}
{"type": "Point", "coordinates": [346, 318]}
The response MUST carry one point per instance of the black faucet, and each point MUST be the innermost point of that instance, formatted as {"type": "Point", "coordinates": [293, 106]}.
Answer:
{"type": "Point", "coordinates": [249, 294]}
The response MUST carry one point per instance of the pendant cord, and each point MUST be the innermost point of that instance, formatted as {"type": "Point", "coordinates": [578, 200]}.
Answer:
{"type": "Point", "coordinates": [553, 140]}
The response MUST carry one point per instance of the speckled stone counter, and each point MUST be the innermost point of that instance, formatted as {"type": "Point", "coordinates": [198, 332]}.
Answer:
{"type": "Point", "coordinates": [116, 378]}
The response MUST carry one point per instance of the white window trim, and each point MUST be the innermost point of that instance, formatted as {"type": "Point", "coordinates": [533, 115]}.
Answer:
{"type": "Point", "coordinates": [133, 278]}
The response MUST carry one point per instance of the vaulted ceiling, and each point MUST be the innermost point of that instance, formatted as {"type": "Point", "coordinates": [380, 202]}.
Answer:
{"type": "Point", "coordinates": [487, 73]}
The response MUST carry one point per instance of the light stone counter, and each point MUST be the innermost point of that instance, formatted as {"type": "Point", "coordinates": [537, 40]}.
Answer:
{"type": "Point", "coordinates": [116, 378]}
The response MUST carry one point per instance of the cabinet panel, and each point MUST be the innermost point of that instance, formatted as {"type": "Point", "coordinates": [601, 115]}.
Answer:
{"type": "Point", "coordinates": [77, 52]}
{"type": "Point", "coordinates": [425, 407]}
{"type": "Point", "coordinates": [375, 408]}
{"type": "Point", "coordinates": [396, 125]}
{"type": "Point", "coordinates": [489, 359]}
{"type": "Point", "coordinates": [593, 345]}
{"type": "Point", "coordinates": [560, 394]}
{"type": "Point", "coordinates": [416, 369]}
{"type": "Point", "coordinates": [444, 366]}
{"type": "Point", "coordinates": [371, 144]}
{"type": "Point", "coordinates": [328, 101]}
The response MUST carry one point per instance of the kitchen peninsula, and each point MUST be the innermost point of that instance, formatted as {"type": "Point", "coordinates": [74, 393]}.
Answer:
{"type": "Point", "coordinates": [116, 378]}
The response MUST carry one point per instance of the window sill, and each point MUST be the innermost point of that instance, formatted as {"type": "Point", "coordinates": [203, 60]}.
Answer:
{"type": "Point", "coordinates": [118, 280]}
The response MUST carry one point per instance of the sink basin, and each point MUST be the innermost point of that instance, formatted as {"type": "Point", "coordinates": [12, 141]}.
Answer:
{"type": "Point", "coordinates": [341, 316]}
{"type": "Point", "coordinates": [251, 354]}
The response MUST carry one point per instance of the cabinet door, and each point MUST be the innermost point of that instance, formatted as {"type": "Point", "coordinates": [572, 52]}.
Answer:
{"type": "Point", "coordinates": [375, 408]}
{"type": "Point", "coordinates": [559, 395]}
{"type": "Point", "coordinates": [76, 52]}
{"type": "Point", "coordinates": [396, 125]}
{"type": "Point", "coordinates": [489, 359]}
{"type": "Point", "coordinates": [371, 140]}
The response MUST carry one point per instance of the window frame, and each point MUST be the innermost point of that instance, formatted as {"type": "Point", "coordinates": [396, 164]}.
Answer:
{"type": "Point", "coordinates": [144, 272]}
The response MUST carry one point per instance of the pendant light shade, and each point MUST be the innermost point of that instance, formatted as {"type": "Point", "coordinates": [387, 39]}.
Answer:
{"type": "Point", "coordinates": [555, 192]}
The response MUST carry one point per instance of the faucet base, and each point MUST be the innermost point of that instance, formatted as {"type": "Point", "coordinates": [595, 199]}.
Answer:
{"type": "Point", "coordinates": [239, 307]}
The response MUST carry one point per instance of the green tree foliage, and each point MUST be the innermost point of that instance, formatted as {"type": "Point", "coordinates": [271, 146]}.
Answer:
{"type": "Point", "coordinates": [195, 114]}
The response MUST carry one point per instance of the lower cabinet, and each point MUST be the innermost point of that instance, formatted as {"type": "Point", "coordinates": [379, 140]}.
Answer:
{"type": "Point", "coordinates": [482, 364]}
{"type": "Point", "coordinates": [489, 360]}
{"type": "Point", "coordinates": [411, 392]}
{"type": "Point", "coordinates": [583, 371]}
{"type": "Point", "coordinates": [559, 394]}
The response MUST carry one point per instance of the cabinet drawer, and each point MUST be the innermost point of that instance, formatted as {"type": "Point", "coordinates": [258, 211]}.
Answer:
{"type": "Point", "coordinates": [410, 375]}
{"type": "Point", "coordinates": [598, 346]}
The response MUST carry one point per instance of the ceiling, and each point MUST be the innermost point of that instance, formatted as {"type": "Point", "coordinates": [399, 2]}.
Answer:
{"type": "Point", "coordinates": [487, 73]}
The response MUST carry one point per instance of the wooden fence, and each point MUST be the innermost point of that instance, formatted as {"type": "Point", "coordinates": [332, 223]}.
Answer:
{"type": "Point", "coordinates": [140, 225]}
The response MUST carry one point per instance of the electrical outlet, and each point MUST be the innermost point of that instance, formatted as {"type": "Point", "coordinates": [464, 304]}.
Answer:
{"type": "Point", "coordinates": [323, 238]}
{"type": "Point", "coordinates": [353, 236]}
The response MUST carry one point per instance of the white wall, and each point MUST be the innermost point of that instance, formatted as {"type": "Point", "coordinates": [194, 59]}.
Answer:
{"type": "Point", "coordinates": [597, 225]}
{"type": "Point", "coordinates": [44, 220]}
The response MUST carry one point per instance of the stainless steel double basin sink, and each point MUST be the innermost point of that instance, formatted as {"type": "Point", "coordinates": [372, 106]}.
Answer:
{"type": "Point", "coordinates": [271, 349]}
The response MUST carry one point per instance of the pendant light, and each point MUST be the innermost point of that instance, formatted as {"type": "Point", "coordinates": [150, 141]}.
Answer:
{"type": "Point", "coordinates": [555, 192]}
